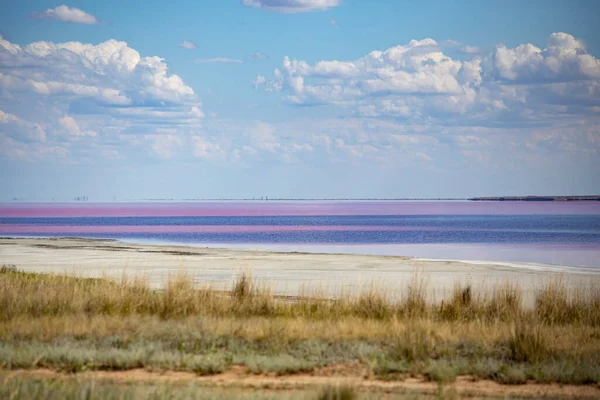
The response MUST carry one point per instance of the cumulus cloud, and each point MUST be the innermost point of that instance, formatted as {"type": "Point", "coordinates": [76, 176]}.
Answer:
{"type": "Point", "coordinates": [563, 59]}
{"type": "Point", "coordinates": [186, 44]}
{"type": "Point", "coordinates": [74, 90]}
{"type": "Point", "coordinates": [419, 67]}
{"type": "Point", "coordinates": [292, 6]}
{"type": "Point", "coordinates": [70, 125]}
{"type": "Point", "coordinates": [66, 14]}
{"type": "Point", "coordinates": [419, 82]}
{"type": "Point", "coordinates": [219, 60]}
{"type": "Point", "coordinates": [110, 72]}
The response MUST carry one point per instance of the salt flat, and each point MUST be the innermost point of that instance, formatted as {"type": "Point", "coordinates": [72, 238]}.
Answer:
{"type": "Point", "coordinates": [285, 273]}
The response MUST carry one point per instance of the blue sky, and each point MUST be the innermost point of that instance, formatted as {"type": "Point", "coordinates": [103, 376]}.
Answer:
{"type": "Point", "coordinates": [298, 98]}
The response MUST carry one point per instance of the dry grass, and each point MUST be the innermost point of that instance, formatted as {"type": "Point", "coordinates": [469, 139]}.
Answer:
{"type": "Point", "coordinates": [337, 393]}
{"type": "Point", "coordinates": [556, 303]}
{"type": "Point", "coordinates": [64, 322]}
{"type": "Point", "coordinates": [39, 295]}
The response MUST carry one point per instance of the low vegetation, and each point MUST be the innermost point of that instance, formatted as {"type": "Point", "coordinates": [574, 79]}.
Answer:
{"type": "Point", "coordinates": [76, 324]}
{"type": "Point", "coordinates": [21, 388]}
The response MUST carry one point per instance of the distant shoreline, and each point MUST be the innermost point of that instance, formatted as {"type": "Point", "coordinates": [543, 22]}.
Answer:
{"type": "Point", "coordinates": [283, 199]}
{"type": "Point", "coordinates": [493, 198]}
{"type": "Point", "coordinates": [287, 273]}
{"type": "Point", "coordinates": [537, 198]}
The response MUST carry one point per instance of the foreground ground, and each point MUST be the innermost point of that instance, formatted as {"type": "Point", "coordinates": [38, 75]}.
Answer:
{"type": "Point", "coordinates": [238, 383]}
{"type": "Point", "coordinates": [63, 336]}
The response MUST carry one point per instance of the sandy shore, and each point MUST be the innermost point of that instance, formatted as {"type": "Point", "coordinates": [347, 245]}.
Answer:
{"type": "Point", "coordinates": [285, 273]}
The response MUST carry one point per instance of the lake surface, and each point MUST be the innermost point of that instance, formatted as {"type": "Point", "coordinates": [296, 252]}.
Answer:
{"type": "Point", "coordinates": [562, 233]}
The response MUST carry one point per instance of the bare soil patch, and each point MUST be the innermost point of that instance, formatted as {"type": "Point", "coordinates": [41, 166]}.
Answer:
{"type": "Point", "coordinates": [349, 374]}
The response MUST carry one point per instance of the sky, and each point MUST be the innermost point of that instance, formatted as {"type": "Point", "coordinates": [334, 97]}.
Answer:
{"type": "Point", "coordinates": [298, 98]}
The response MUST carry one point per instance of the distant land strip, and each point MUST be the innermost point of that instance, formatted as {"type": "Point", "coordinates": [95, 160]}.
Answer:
{"type": "Point", "coordinates": [537, 198]}
{"type": "Point", "coordinates": [495, 198]}
{"type": "Point", "coordinates": [265, 198]}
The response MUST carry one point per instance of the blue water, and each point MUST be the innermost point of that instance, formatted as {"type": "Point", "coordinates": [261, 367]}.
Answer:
{"type": "Point", "coordinates": [518, 229]}
{"type": "Point", "coordinates": [571, 239]}
{"type": "Point", "coordinates": [588, 223]}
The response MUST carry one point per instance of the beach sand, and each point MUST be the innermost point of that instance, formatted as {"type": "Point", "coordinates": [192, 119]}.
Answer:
{"type": "Point", "coordinates": [287, 274]}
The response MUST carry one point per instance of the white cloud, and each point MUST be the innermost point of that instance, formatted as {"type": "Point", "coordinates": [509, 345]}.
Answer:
{"type": "Point", "coordinates": [111, 72]}
{"type": "Point", "coordinates": [263, 137]}
{"type": "Point", "coordinates": [219, 60]}
{"type": "Point", "coordinates": [564, 59]}
{"type": "Point", "coordinates": [407, 103]}
{"type": "Point", "coordinates": [71, 126]}
{"type": "Point", "coordinates": [292, 6]}
{"type": "Point", "coordinates": [258, 56]}
{"type": "Point", "coordinates": [476, 155]}
{"type": "Point", "coordinates": [19, 129]}
{"type": "Point", "coordinates": [371, 142]}
{"type": "Point", "coordinates": [470, 141]}
{"type": "Point", "coordinates": [418, 67]}
{"type": "Point", "coordinates": [53, 151]}
{"type": "Point", "coordinates": [470, 49]}
{"type": "Point", "coordinates": [260, 80]}
{"type": "Point", "coordinates": [66, 14]}
{"type": "Point", "coordinates": [332, 21]}
{"type": "Point", "coordinates": [178, 114]}
{"type": "Point", "coordinates": [455, 45]}
{"type": "Point", "coordinates": [103, 91]}
{"type": "Point", "coordinates": [164, 145]}
{"type": "Point", "coordinates": [450, 43]}
{"type": "Point", "coordinates": [412, 140]}
{"type": "Point", "coordinates": [103, 95]}
{"type": "Point", "coordinates": [206, 148]}
{"type": "Point", "coordinates": [186, 44]}
{"type": "Point", "coordinates": [420, 83]}
{"type": "Point", "coordinates": [422, 157]}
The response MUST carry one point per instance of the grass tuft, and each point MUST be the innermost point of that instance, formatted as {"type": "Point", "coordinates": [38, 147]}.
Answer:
{"type": "Point", "coordinates": [415, 301]}
{"type": "Point", "coordinates": [373, 304]}
{"type": "Point", "coordinates": [441, 372]}
{"type": "Point", "coordinates": [341, 392]}
{"type": "Point", "coordinates": [527, 343]}
{"type": "Point", "coordinates": [413, 343]}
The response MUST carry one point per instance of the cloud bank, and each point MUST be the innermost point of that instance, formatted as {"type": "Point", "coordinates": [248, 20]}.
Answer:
{"type": "Point", "coordinates": [409, 105]}
{"type": "Point", "coordinates": [78, 90]}
{"type": "Point", "coordinates": [418, 82]}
